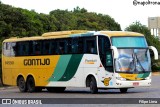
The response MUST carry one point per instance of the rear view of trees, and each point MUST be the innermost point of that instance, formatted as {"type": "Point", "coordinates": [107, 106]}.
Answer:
{"type": "Point", "coordinates": [22, 22]}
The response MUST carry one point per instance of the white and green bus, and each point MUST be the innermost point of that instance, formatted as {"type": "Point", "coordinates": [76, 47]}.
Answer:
{"type": "Point", "coordinates": [95, 59]}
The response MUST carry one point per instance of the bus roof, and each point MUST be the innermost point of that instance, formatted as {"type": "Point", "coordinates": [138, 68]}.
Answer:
{"type": "Point", "coordinates": [74, 33]}
{"type": "Point", "coordinates": [120, 33]}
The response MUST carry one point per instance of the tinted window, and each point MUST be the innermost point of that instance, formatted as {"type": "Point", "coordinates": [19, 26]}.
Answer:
{"type": "Point", "coordinates": [76, 45]}
{"type": "Point", "coordinates": [90, 45]}
{"type": "Point", "coordinates": [105, 53]}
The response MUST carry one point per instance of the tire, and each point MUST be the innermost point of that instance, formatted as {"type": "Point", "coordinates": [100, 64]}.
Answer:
{"type": "Point", "coordinates": [93, 86]}
{"type": "Point", "coordinates": [123, 90]}
{"type": "Point", "coordinates": [21, 84]}
{"type": "Point", "coordinates": [56, 89]}
{"type": "Point", "coordinates": [31, 85]}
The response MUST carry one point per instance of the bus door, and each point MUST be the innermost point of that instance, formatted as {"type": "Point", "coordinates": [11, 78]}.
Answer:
{"type": "Point", "coordinates": [105, 70]}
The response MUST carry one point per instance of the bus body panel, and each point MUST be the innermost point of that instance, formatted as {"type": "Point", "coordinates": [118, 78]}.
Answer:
{"type": "Point", "coordinates": [69, 70]}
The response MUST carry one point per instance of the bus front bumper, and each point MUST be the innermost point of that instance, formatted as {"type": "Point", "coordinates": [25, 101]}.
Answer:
{"type": "Point", "coordinates": [127, 84]}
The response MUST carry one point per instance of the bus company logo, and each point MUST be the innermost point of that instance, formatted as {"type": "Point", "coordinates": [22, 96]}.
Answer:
{"type": "Point", "coordinates": [92, 61]}
{"type": "Point", "coordinates": [33, 62]}
{"type": "Point", "coordinates": [106, 81]}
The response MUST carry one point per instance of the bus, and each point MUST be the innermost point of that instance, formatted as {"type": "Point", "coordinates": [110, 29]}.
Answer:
{"type": "Point", "coordinates": [77, 58]}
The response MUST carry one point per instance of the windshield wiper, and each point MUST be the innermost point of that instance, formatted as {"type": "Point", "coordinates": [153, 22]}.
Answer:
{"type": "Point", "coordinates": [136, 62]}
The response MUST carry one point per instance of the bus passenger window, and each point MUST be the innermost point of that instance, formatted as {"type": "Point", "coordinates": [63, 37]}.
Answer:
{"type": "Point", "coordinates": [61, 48]}
{"type": "Point", "coordinates": [90, 45]}
{"type": "Point", "coordinates": [23, 48]}
{"type": "Point", "coordinates": [46, 48]}
{"type": "Point", "coordinates": [53, 49]}
{"type": "Point", "coordinates": [74, 46]}
{"type": "Point", "coordinates": [13, 49]}
{"type": "Point", "coordinates": [80, 46]}
{"type": "Point", "coordinates": [6, 48]}
{"type": "Point", "coordinates": [37, 47]}
{"type": "Point", "coordinates": [69, 46]}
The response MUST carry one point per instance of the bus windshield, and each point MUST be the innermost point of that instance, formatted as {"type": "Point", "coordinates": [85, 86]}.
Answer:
{"type": "Point", "coordinates": [139, 42]}
{"type": "Point", "coordinates": [134, 55]}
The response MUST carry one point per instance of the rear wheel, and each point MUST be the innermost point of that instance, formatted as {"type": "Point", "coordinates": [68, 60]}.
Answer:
{"type": "Point", "coordinates": [31, 84]}
{"type": "Point", "coordinates": [21, 84]}
{"type": "Point", "coordinates": [93, 86]}
{"type": "Point", "coordinates": [123, 90]}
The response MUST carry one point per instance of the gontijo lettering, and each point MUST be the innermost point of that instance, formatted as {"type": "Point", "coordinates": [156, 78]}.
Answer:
{"type": "Point", "coordinates": [33, 62]}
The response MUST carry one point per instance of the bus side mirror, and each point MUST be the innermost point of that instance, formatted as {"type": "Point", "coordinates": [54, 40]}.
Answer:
{"type": "Point", "coordinates": [154, 51]}
{"type": "Point", "coordinates": [116, 53]}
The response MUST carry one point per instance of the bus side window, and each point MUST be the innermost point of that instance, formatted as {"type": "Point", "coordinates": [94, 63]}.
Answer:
{"type": "Point", "coordinates": [46, 47]}
{"type": "Point", "coordinates": [74, 46]}
{"type": "Point", "coordinates": [53, 48]}
{"type": "Point", "coordinates": [24, 48]}
{"type": "Point", "coordinates": [37, 47]}
{"type": "Point", "coordinates": [90, 46]}
{"type": "Point", "coordinates": [69, 46]}
{"type": "Point", "coordinates": [80, 46]}
{"type": "Point", "coordinates": [6, 48]}
{"type": "Point", "coordinates": [61, 47]}
{"type": "Point", "coordinates": [13, 49]}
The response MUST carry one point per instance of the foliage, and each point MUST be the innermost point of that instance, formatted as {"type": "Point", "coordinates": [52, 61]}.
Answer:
{"type": "Point", "coordinates": [21, 22]}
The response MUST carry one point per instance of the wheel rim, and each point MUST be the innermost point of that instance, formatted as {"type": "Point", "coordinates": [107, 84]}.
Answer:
{"type": "Point", "coordinates": [21, 83]}
{"type": "Point", "coordinates": [91, 86]}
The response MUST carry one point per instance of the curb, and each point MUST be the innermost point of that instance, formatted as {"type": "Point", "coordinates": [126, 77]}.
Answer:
{"type": "Point", "coordinates": [9, 87]}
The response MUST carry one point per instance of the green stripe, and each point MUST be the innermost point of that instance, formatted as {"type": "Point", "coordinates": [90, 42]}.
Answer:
{"type": "Point", "coordinates": [60, 67]}
{"type": "Point", "coordinates": [140, 75]}
{"type": "Point", "coordinates": [144, 75]}
{"type": "Point", "coordinates": [72, 67]}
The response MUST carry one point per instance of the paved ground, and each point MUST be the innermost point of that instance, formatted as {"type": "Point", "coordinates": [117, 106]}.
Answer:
{"type": "Point", "coordinates": [141, 92]}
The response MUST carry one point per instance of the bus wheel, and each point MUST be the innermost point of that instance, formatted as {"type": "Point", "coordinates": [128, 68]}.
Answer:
{"type": "Point", "coordinates": [21, 84]}
{"type": "Point", "coordinates": [31, 84]}
{"type": "Point", "coordinates": [93, 86]}
{"type": "Point", "coordinates": [123, 90]}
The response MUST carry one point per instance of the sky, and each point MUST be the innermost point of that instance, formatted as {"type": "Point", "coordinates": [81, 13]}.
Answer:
{"type": "Point", "coordinates": [123, 11]}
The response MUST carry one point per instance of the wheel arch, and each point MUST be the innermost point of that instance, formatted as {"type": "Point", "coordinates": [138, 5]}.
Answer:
{"type": "Point", "coordinates": [88, 79]}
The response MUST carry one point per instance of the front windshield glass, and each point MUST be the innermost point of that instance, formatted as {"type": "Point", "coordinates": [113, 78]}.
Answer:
{"type": "Point", "coordinates": [129, 42]}
{"type": "Point", "coordinates": [134, 55]}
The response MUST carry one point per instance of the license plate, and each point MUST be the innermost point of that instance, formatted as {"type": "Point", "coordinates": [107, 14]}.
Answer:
{"type": "Point", "coordinates": [136, 84]}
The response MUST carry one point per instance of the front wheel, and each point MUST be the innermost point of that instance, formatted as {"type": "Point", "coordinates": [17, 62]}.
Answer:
{"type": "Point", "coordinates": [93, 86]}
{"type": "Point", "coordinates": [21, 84]}
{"type": "Point", "coordinates": [123, 90]}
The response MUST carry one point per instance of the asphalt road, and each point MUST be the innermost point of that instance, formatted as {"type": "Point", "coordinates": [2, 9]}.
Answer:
{"type": "Point", "coordinates": [140, 92]}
